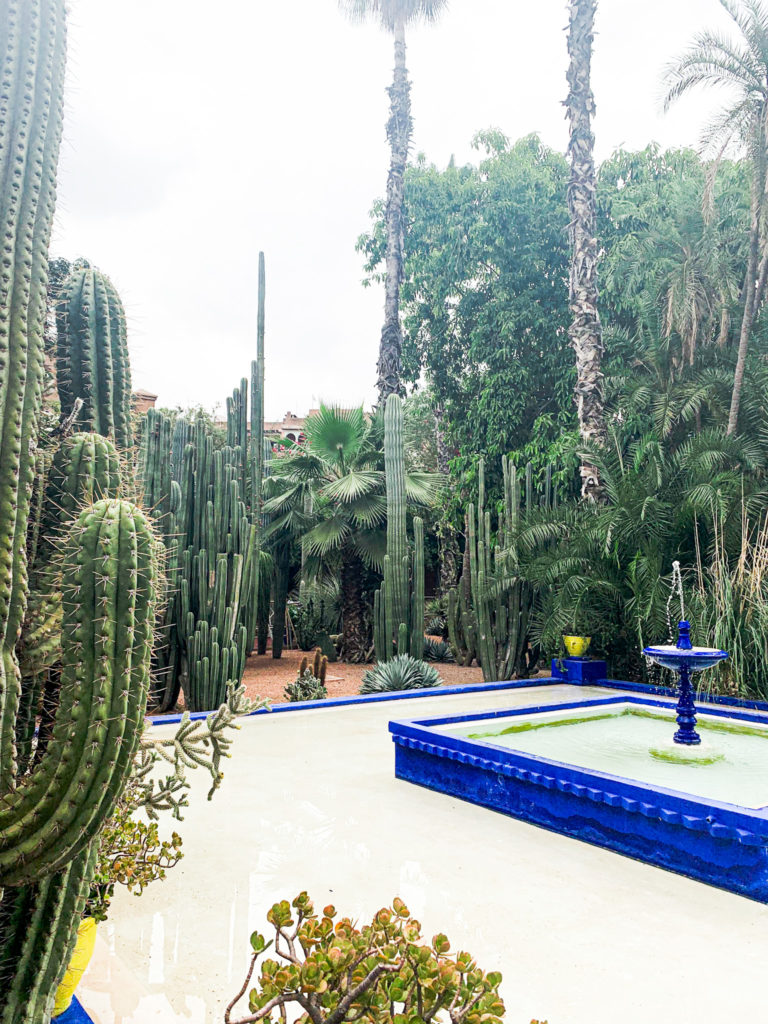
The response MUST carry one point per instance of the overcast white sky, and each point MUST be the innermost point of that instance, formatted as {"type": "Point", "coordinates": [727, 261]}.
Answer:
{"type": "Point", "coordinates": [198, 133]}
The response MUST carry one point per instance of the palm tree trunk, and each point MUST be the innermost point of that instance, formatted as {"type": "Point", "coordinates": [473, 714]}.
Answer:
{"type": "Point", "coordinates": [399, 129]}
{"type": "Point", "coordinates": [752, 289]}
{"type": "Point", "coordinates": [355, 642]}
{"type": "Point", "coordinates": [586, 330]}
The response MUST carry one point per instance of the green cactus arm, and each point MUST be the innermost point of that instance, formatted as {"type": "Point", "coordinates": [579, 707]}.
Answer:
{"type": "Point", "coordinates": [109, 585]}
{"type": "Point", "coordinates": [44, 940]}
{"type": "Point", "coordinates": [32, 50]}
{"type": "Point", "coordinates": [417, 617]}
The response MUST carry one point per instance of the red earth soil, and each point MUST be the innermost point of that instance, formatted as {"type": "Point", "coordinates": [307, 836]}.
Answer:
{"type": "Point", "coordinates": [266, 676]}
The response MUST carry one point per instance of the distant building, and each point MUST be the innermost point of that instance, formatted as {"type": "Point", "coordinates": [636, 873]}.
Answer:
{"type": "Point", "coordinates": [143, 401]}
{"type": "Point", "coordinates": [289, 430]}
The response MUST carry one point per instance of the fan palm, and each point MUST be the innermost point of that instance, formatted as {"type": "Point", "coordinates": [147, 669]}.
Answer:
{"type": "Point", "coordinates": [394, 16]}
{"type": "Point", "coordinates": [330, 492]}
{"type": "Point", "coordinates": [741, 67]}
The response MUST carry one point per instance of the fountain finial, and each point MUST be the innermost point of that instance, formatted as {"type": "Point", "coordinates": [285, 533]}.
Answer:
{"type": "Point", "coordinates": [684, 636]}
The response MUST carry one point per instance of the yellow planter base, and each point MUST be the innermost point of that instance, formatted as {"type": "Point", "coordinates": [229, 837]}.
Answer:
{"type": "Point", "coordinates": [86, 941]}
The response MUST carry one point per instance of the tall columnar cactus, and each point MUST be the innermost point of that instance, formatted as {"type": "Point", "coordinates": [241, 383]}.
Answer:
{"type": "Point", "coordinates": [399, 604]}
{"type": "Point", "coordinates": [50, 820]}
{"type": "Point", "coordinates": [92, 355]}
{"type": "Point", "coordinates": [208, 625]}
{"type": "Point", "coordinates": [49, 817]}
{"type": "Point", "coordinates": [85, 468]}
{"type": "Point", "coordinates": [489, 612]}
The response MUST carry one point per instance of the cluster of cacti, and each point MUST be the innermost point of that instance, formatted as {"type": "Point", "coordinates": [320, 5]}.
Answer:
{"type": "Point", "coordinates": [318, 666]}
{"type": "Point", "coordinates": [207, 507]}
{"type": "Point", "coordinates": [51, 814]}
{"type": "Point", "coordinates": [489, 612]}
{"type": "Point", "coordinates": [208, 623]}
{"type": "Point", "coordinates": [92, 355]}
{"type": "Point", "coordinates": [398, 610]}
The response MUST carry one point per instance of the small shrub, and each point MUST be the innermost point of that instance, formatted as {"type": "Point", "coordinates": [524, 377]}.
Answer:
{"type": "Point", "coordinates": [384, 972]}
{"type": "Point", "coordinates": [306, 687]}
{"type": "Point", "coordinates": [437, 650]}
{"type": "Point", "coordinates": [401, 673]}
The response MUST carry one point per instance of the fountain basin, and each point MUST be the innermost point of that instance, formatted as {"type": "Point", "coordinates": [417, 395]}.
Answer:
{"type": "Point", "coordinates": [586, 770]}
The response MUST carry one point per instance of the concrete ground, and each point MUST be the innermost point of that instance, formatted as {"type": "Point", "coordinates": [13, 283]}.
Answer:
{"type": "Point", "coordinates": [582, 935]}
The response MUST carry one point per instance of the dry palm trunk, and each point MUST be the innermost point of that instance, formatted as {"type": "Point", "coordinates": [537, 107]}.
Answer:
{"type": "Point", "coordinates": [586, 330]}
{"type": "Point", "coordinates": [399, 134]}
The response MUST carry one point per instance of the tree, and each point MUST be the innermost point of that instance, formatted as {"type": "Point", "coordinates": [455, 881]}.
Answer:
{"type": "Point", "coordinates": [586, 330]}
{"type": "Point", "coordinates": [742, 67]}
{"type": "Point", "coordinates": [330, 493]}
{"type": "Point", "coordinates": [394, 15]}
{"type": "Point", "coordinates": [485, 312]}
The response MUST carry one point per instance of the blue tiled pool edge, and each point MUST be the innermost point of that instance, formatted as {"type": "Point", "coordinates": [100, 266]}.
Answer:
{"type": "Point", "coordinates": [719, 844]}
{"type": "Point", "coordinates": [447, 691]}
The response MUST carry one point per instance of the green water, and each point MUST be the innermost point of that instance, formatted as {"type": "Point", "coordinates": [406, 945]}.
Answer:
{"type": "Point", "coordinates": [732, 759]}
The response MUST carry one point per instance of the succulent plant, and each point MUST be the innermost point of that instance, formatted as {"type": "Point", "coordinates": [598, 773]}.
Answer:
{"type": "Point", "coordinates": [398, 613]}
{"type": "Point", "coordinates": [489, 612]}
{"type": "Point", "coordinates": [400, 673]}
{"type": "Point", "coordinates": [92, 355]}
{"type": "Point", "coordinates": [305, 687]}
{"type": "Point", "coordinates": [51, 815]}
{"type": "Point", "coordinates": [437, 650]}
{"type": "Point", "coordinates": [384, 972]}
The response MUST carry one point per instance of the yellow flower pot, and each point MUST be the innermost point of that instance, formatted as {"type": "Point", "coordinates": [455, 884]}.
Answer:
{"type": "Point", "coordinates": [86, 940]}
{"type": "Point", "coordinates": [577, 646]}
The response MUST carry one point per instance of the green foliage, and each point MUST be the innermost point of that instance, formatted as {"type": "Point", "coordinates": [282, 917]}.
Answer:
{"type": "Point", "coordinates": [334, 971]}
{"type": "Point", "coordinates": [306, 687]}
{"type": "Point", "coordinates": [728, 605]}
{"type": "Point", "coordinates": [485, 296]}
{"type": "Point", "coordinates": [400, 673]}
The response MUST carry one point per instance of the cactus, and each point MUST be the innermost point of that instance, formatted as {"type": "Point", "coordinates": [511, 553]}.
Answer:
{"type": "Point", "coordinates": [489, 611]}
{"type": "Point", "coordinates": [319, 665]}
{"type": "Point", "coordinates": [49, 822]}
{"type": "Point", "coordinates": [49, 817]}
{"type": "Point", "coordinates": [198, 498]}
{"type": "Point", "coordinates": [92, 355]}
{"type": "Point", "coordinates": [85, 468]}
{"type": "Point", "coordinates": [398, 611]}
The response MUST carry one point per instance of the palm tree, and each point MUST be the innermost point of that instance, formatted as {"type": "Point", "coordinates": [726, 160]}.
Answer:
{"type": "Point", "coordinates": [330, 493]}
{"type": "Point", "coordinates": [586, 330]}
{"type": "Point", "coordinates": [742, 67]}
{"type": "Point", "coordinates": [394, 15]}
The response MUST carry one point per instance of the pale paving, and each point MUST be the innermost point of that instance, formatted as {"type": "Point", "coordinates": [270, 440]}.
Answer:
{"type": "Point", "coordinates": [582, 936]}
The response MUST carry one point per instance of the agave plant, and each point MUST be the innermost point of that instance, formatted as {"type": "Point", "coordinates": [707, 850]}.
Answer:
{"type": "Point", "coordinates": [400, 673]}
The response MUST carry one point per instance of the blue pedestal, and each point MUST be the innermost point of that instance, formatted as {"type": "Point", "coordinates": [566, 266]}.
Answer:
{"type": "Point", "coordinates": [580, 671]}
{"type": "Point", "coordinates": [74, 1015]}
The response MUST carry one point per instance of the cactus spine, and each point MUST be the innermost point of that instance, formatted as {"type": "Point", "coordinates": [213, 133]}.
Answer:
{"type": "Point", "coordinates": [399, 603]}
{"type": "Point", "coordinates": [92, 355]}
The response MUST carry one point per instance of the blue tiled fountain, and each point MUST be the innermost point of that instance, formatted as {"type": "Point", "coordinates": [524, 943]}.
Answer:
{"type": "Point", "coordinates": [678, 786]}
